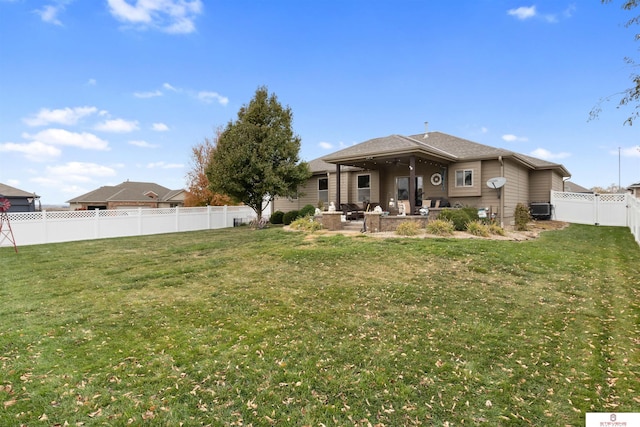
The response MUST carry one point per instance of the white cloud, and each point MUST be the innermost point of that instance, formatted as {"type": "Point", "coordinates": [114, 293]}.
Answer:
{"type": "Point", "coordinates": [49, 13]}
{"type": "Point", "coordinates": [209, 97]}
{"type": "Point", "coordinates": [326, 145]}
{"type": "Point", "coordinates": [83, 140]}
{"type": "Point", "coordinates": [91, 82]}
{"type": "Point", "coordinates": [164, 165]}
{"type": "Point", "coordinates": [117, 126]}
{"type": "Point", "coordinates": [160, 127]}
{"type": "Point", "coordinates": [78, 171]}
{"type": "Point", "coordinates": [35, 151]}
{"type": "Point", "coordinates": [544, 154]}
{"type": "Point", "coordinates": [142, 144]}
{"type": "Point", "coordinates": [63, 116]}
{"type": "Point", "coordinates": [169, 87]}
{"type": "Point", "coordinates": [627, 152]}
{"type": "Point", "coordinates": [513, 138]}
{"type": "Point", "coordinates": [170, 16]}
{"type": "Point", "coordinates": [151, 94]}
{"type": "Point", "coordinates": [523, 12]}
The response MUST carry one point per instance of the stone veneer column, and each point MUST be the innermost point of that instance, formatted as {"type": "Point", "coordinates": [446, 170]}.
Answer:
{"type": "Point", "coordinates": [332, 220]}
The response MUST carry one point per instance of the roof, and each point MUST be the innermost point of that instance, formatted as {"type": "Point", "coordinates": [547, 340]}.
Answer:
{"type": "Point", "coordinates": [636, 185]}
{"type": "Point", "coordinates": [9, 191]}
{"type": "Point", "coordinates": [128, 191]}
{"type": "Point", "coordinates": [572, 187]}
{"type": "Point", "coordinates": [447, 148]}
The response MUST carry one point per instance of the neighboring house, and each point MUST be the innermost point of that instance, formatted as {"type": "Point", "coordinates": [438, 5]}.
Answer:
{"type": "Point", "coordinates": [129, 194]}
{"type": "Point", "coordinates": [572, 187]}
{"type": "Point", "coordinates": [430, 166]}
{"type": "Point", "coordinates": [21, 201]}
{"type": "Point", "coordinates": [634, 189]}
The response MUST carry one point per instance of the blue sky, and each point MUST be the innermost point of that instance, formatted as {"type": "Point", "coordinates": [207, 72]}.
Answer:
{"type": "Point", "coordinates": [96, 92]}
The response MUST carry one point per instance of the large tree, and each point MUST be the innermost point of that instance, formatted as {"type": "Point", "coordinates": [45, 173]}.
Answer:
{"type": "Point", "coordinates": [256, 158]}
{"type": "Point", "coordinates": [630, 96]}
{"type": "Point", "coordinates": [199, 193]}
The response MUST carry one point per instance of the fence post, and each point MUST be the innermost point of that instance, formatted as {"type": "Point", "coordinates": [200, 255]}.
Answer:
{"type": "Point", "coordinates": [224, 220]}
{"type": "Point", "coordinates": [177, 219]}
{"type": "Point", "coordinates": [208, 217]}
{"type": "Point", "coordinates": [139, 221]}
{"type": "Point", "coordinates": [44, 226]}
{"type": "Point", "coordinates": [96, 222]}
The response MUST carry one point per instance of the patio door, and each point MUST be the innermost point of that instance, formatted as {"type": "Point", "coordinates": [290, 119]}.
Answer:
{"type": "Point", "coordinates": [402, 189]}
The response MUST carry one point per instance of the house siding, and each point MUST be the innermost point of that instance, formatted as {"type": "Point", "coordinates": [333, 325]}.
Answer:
{"type": "Point", "coordinates": [307, 195]}
{"type": "Point", "coordinates": [541, 182]}
{"type": "Point", "coordinates": [475, 189]}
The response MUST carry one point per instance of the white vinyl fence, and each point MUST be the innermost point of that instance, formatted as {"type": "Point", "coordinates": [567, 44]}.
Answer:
{"type": "Point", "coordinates": [32, 228]}
{"type": "Point", "coordinates": [622, 210]}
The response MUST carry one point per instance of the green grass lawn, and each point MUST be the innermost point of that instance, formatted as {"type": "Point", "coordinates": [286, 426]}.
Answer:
{"type": "Point", "coordinates": [243, 327]}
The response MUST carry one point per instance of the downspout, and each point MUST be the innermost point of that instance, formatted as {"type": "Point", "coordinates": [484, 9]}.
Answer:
{"type": "Point", "coordinates": [500, 194]}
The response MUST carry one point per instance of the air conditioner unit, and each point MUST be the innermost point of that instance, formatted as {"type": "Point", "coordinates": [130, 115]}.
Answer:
{"type": "Point", "coordinates": [541, 210]}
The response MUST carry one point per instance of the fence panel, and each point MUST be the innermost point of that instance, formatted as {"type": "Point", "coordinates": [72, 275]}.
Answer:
{"type": "Point", "coordinates": [621, 210]}
{"type": "Point", "coordinates": [32, 228]}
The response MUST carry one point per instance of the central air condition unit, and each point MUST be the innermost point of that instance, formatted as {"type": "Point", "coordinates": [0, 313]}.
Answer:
{"type": "Point", "coordinates": [540, 210]}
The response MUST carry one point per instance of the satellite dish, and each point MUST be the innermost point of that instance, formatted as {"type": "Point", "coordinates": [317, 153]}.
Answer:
{"type": "Point", "coordinates": [497, 182]}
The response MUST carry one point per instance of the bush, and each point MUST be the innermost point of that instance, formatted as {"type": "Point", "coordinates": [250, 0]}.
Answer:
{"type": "Point", "coordinates": [276, 217]}
{"type": "Point", "coordinates": [307, 210]}
{"type": "Point", "coordinates": [496, 229]}
{"type": "Point", "coordinates": [289, 217]}
{"type": "Point", "coordinates": [478, 228]}
{"type": "Point", "coordinates": [407, 228]}
{"type": "Point", "coordinates": [459, 217]}
{"type": "Point", "coordinates": [440, 227]}
{"type": "Point", "coordinates": [522, 217]}
{"type": "Point", "coordinates": [306, 223]}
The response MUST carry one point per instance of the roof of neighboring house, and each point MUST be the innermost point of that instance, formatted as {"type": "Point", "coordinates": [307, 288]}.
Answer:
{"type": "Point", "coordinates": [128, 191]}
{"type": "Point", "coordinates": [434, 144]}
{"type": "Point", "coordinates": [636, 185]}
{"type": "Point", "coordinates": [9, 191]}
{"type": "Point", "coordinates": [572, 187]}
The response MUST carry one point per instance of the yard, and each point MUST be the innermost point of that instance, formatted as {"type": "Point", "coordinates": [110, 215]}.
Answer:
{"type": "Point", "coordinates": [242, 327]}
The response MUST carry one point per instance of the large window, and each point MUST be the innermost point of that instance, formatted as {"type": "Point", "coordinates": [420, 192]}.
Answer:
{"type": "Point", "coordinates": [364, 187]}
{"type": "Point", "coordinates": [464, 178]}
{"type": "Point", "coordinates": [323, 190]}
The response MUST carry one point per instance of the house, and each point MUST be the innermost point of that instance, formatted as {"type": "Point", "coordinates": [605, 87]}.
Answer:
{"type": "Point", "coordinates": [572, 187]}
{"type": "Point", "coordinates": [433, 170]}
{"type": "Point", "coordinates": [21, 201]}
{"type": "Point", "coordinates": [634, 189]}
{"type": "Point", "coordinates": [129, 194]}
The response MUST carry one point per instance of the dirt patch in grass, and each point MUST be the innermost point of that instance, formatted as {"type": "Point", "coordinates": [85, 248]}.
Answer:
{"type": "Point", "coordinates": [533, 231]}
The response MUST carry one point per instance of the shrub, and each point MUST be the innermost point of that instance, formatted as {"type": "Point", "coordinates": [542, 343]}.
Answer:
{"type": "Point", "coordinates": [496, 229]}
{"type": "Point", "coordinates": [478, 228]}
{"type": "Point", "coordinates": [306, 223]}
{"type": "Point", "coordinates": [440, 227]}
{"type": "Point", "coordinates": [276, 217]}
{"type": "Point", "coordinates": [289, 217]}
{"type": "Point", "coordinates": [522, 217]}
{"type": "Point", "coordinates": [459, 217]}
{"type": "Point", "coordinates": [407, 228]}
{"type": "Point", "coordinates": [307, 210]}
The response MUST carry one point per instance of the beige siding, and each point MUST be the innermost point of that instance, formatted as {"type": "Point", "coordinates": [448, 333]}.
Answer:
{"type": "Point", "coordinates": [473, 190]}
{"type": "Point", "coordinates": [308, 195]}
{"type": "Point", "coordinates": [516, 189]}
{"type": "Point", "coordinates": [540, 186]}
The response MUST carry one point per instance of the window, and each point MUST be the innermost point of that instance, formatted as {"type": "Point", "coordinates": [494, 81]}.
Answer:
{"type": "Point", "coordinates": [364, 187]}
{"type": "Point", "coordinates": [464, 178]}
{"type": "Point", "coordinates": [323, 190]}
